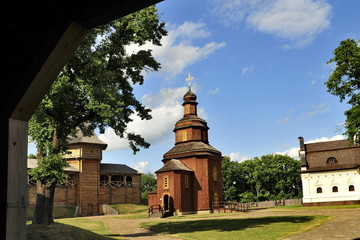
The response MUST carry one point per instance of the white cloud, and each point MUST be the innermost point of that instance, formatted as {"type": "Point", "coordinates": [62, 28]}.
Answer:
{"type": "Point", "coordinates": [283, 121]}
{"type": "Point", "coordinates": [313, 82]}
{"type": "Point", "coordinates": [294, 152]}
{"type": "Point", "coordinates": [297, 21]}
{"type": "Point", "coordinates": [247, 69]}
{"type": "Point", "coordinates": [213, 92]}
{"type": "Point", "coordinates": [318, 109]}
{"type": "Point", "coordinates": [141, 167]}
{"type": "Point", "coordinates": [166, 110]}
{"type": "Point", "coordinates": [177, 50]}
{"type": "Point", "coordinates": [236, 156]}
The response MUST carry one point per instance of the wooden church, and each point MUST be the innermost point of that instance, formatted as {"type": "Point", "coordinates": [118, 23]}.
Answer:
{"type": "Point", "coordinates": [190, 180]}
{"type": "Point", "coordinates": [91, 184]}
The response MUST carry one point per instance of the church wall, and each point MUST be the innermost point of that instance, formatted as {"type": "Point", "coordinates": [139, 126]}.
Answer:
{"type": "Point", "coordinates": [200, 165]}
{"type": "Point", "coordinates": [341, 179]}
{"type": "Point", "coordinates": [187, 184]}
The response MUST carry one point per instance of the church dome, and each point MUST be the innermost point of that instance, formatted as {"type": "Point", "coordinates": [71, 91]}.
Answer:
{"type": "Point", "coordinates": [189, 96]}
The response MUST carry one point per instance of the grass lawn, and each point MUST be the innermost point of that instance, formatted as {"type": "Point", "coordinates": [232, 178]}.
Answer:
{"type": "Point", "coordinates": [241, 228]}
{"type": "Point", "coordinates": [302, 208]}
{"type": "Point", "coordinates": [126, 208]}
{"type": "Point", "coordinates": [69, 229]}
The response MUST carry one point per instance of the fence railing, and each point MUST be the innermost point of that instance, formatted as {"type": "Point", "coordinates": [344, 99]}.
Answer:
{"type": "Point", "coordinates": [228, 206]}
{"type": "Point", "coordinates": [155, 208]}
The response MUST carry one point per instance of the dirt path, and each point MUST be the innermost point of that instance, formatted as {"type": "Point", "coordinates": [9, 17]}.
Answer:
{"type": "Point", "coordinates": [345, 225]}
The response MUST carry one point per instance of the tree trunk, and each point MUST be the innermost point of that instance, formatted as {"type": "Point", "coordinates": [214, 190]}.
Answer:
{"type": "Point", "coordinates": [44, 204]}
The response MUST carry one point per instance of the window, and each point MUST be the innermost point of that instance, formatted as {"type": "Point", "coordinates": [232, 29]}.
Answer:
{"type": "Point", "coordinates": [331, 160]}
{"type": "Point", "coordinates": [104, 180]}
{"type": "Point", "coordinates": [166, 182]}
{"type": "Point", "coordinates": [351, 188]}
{"type": "Point", "coordinates": [186, 181]}
{"type": "Point", "coordinates": [335, 189]}
{"type": "Point", "coordinates": [319, 190]}
{"type": "Point", "coordinates": [117, 180]}
{"type": "Point", "coordinates": [128, 181]}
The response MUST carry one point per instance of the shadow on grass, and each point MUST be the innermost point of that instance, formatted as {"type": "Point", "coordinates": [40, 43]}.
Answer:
{"type": "Point", "coordinates": [222, 225]}
{"type": "Point", "coordinates": [59, 231]}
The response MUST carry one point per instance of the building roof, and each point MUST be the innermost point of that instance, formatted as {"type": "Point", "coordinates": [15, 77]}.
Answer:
{"type": "Point", "coordinates": [117, 168]}
{"type": "Point", "coordinates": [189, 96]}
{"type": "Point", "coordinates": [80, 138]}
{"type": "Point", "coordinates": [32, 163]}
{"type": "Point", "coordinates": [174, 165]}
{"type": "Point", "coordinates": [191, 148]}
{"type": "Point", "coordinates": [329, 156]}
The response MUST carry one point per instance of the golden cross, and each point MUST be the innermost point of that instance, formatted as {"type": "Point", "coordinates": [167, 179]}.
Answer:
{"type": "Point", "coordinates": [189, 79]}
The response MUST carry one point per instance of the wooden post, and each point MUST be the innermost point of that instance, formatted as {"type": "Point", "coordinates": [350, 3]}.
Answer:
{"type": "Point", "coordinates": [17, 178]}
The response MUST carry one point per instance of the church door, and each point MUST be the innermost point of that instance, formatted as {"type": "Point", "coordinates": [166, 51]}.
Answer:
{"type": "Point", "coordinates": [166, 201]}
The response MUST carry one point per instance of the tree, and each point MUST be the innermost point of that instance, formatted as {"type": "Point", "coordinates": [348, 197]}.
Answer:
{"type": "Point", "coordinates": [148, 184]}
{"type": "Point", "coordinates": [94, 90]}
{"type": "Point", "coordinates": [270, 177]}
{"type": "Point", "coordinates": [344, 82]}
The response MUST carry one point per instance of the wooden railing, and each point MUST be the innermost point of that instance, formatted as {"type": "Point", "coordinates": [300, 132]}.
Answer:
{"type": "Point", "coordinates": [155, 208]}
{"type": "Point", "coordinates": [228, 206]}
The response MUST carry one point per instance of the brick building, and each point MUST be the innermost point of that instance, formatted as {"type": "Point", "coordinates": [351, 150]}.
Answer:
{"type": "Point", "coordinates": [190, 180]}
{"type": "Point", "coordinates": [330, 172]}
{"type": "Point", "coordinates": [91, 183]}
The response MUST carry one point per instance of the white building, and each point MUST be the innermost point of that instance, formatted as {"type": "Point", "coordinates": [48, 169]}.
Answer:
{"type": "Point", "coordinates": [330, 172]}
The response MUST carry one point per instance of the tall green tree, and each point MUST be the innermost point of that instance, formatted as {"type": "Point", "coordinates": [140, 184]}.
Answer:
{"type": "Point", "coordinates": [270, 177]}
{"type": "Point", "coordinates": [344, 82]}
{"type": "Point", "coordinates": [94, 90]}
{"type": "Point", "coordinates": [148, 184]}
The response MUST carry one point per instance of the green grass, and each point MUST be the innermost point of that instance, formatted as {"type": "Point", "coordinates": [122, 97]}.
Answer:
{"type": "Point", "coordinates": [130, 208]}
{"type": "Point", "coordinates": [302, 208]}
{"type": "Point", "coordinates": [69, 229]}
{"type": "Point", "coordinates": [241, 228]}
{"type": "Point", "coordinates": [58, 212]}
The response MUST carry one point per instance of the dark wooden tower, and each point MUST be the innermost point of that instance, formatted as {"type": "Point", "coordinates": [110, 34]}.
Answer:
{"type": "Point", "coordinates": [190, 180]}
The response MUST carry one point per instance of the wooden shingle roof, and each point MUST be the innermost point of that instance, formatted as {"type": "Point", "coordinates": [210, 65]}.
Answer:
{"type": "Point", "coordinates": [117, 168]}
{"type": "Point", "coordinates": [174, 165]}
{"type": "Point", "coordinates": [80, 138]}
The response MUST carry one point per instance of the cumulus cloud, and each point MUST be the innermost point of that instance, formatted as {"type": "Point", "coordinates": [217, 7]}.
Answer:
{"type": "Point", "coordinates": [177, 50]}
{"type": "Point", "coordinates": [294, 151]}
{"type": "Point", "coordinates": [141, 167]}
{"type": "Point", "coordinates": [166, 110]}
{"type": "Point", "coordinates": [236, 156]}
{"type": "Point", "coordinates": [296, 21]}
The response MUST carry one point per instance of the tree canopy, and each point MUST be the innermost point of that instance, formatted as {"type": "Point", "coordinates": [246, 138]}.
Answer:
{"type": "Point", "coordinates": [344, 82]}
{"type": "Point", "coordinates": [94, 90]}
{"type": "Point", "coordinates": [148, 184]}
{"type": "Point", "coordinates": [270, 177]}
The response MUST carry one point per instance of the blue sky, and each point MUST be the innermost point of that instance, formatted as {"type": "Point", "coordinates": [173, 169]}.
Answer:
{"type": "Point", "coordinates": [259, 69]}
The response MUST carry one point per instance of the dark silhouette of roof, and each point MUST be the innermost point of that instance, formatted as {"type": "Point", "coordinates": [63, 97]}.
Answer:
{"type": "Point", "coordinates": [117, 168]}
{"type": "Point", "coordinates": [80, 138]}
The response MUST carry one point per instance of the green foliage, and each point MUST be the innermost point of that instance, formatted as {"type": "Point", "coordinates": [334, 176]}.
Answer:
{"type": "Point", "coordinates": [95, 88]}
{"type": "Point", "coordinates": [344, 82]}
{"type": "Point", "coordinates": [148, 184]}
{"type": "Point", "coordinates": [50, 170]}
{"type": "Point", "coordinates": [270, 177]}
{"type": "Point", "coordinates": [32, 156]}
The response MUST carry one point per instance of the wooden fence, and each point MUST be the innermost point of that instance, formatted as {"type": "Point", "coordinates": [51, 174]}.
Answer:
{"type": "Point", "coordinates": [227, 206]}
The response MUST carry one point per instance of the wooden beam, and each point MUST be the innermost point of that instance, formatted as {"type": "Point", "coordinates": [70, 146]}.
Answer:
{"type": "Point", "coordinates": [63, 50]}
{"type": "Point", "coordinates": [17, 179]}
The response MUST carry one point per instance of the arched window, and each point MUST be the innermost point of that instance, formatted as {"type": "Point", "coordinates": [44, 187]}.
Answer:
{"type": "Point", "coordinates": [129, 181]}
{"type": "Point", "coordinates": [335, 189]}
{"type": "Point", "coordinates": [117, 180]}
{"type": "Point", "coordinates": [351, 188]}
{"type": "Point", "coordinates": [104, 180]}
{"type": "Point", "coordinates": [319, 190]}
